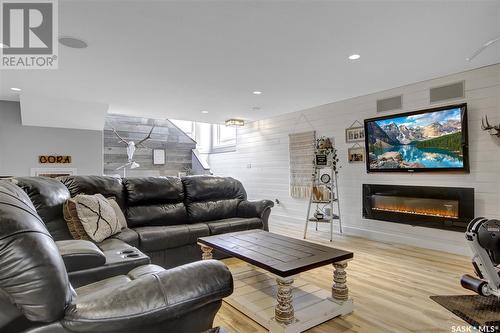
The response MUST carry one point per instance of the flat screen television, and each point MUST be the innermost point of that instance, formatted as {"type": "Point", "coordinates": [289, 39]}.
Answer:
{"type": "Point", "coordinates": [426, 140]}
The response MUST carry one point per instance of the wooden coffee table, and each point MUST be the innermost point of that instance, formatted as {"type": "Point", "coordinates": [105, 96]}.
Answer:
{"type": "Point", "coordinates": [264, 293]}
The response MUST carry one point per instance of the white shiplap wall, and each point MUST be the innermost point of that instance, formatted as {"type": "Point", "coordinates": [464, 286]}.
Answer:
{"type": "Point", "coordinates": [261, 159]}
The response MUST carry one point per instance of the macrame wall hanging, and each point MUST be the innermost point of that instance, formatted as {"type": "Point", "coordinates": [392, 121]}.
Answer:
{"type": "Point", "coordinates": [301, 149]}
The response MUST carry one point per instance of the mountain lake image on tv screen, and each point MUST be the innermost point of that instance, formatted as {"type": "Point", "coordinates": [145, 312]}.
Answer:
{"type": "Point", "coordinates": [425, 140]}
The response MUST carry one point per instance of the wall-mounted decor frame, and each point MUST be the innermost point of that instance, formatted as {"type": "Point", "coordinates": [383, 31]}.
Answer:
{"type": "Point", "coordinates": [53, 172]}
{"type": "Point", "coordinates": [158, 156]}
{"type": "Point", "coordinates": [356, 154]}
{"type": "Point", "coordinates": [355, 132]}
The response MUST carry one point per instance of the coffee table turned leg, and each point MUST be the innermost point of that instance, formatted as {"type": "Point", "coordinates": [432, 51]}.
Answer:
{"type": "Point", "coordinates": [340, 292]}
{"type": "Point", "coordinates": [207, 252]}
{"type": "Point", "coordinates": [283, 312]}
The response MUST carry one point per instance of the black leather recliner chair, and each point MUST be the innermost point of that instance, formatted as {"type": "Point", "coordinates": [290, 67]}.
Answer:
{"type": "Point", "coordinates": [36, 296]}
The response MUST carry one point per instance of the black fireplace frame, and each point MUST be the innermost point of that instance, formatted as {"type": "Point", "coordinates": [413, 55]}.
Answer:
{"type": "Point", "coordinates": [464, 196]}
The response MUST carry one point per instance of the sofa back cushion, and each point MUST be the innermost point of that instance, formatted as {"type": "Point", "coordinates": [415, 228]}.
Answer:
{"type": "Point", "coordinates": [154, 201]}
{"type": "Point", "coordinates": [109, 187]}
{"type": "Point", "coordinates": [48, 196]}
{"type": "Point", "coordinates": [212, 198]}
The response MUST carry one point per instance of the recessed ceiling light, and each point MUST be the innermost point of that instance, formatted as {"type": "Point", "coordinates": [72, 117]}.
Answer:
{"type": "Point", "coordinates": [256, 92]}
{"type": "Point", "coordinates": [354, 57]}
{"type": "Point", "coordinates": [15, 89]}
{"type": "Point", "coordinates": [204, 111]}
{"type": "Point", "coordinates": [72, 42]}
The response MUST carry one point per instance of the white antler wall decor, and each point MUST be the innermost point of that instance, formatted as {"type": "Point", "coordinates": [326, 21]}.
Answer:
{"type": "Point", "coordinates": [131, 147]}
{"type": "Point", "coordinates": [492, 129]}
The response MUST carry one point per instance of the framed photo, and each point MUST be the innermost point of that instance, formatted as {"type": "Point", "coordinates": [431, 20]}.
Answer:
{"type": "Point", "coordinates": [158, 156]}
{"type": "Point", "coordinates": [354, 134]}
{"type": "Point", "coordinates": [356, 154]}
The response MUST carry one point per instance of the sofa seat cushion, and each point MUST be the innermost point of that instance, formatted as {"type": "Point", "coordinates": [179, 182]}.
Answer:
{"type": "Point", "coordinates": [234, 224]}
{"type": "Point", "coordinates": [167, 237]}
{"type": "Point", "coordinates": [128, 236]}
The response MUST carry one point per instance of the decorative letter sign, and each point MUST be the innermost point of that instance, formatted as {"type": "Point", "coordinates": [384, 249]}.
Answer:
{"type": "Point", "coordinates": [54, 159]}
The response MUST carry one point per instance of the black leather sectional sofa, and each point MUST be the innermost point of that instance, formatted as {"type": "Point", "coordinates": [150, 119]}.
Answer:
{"type": "Point", "coordinates": [165, 217]}
{"type": "Point", "coordinates": [132, 281]}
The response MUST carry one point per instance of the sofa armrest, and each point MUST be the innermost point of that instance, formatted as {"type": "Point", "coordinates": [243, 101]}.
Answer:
{"type": "Point", "coordinates": [153, 298]}
{"type": "Point", "coordinates": [260, 209]}
{"type": "Point", "coordinates": [80, 254]}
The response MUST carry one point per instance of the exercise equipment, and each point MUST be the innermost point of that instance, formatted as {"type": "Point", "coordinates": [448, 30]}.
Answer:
{"type": "Point", "coordinates": [483, 237]}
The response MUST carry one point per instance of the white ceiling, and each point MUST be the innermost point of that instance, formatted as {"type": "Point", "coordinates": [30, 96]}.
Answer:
{"type": "Point", "coordinates": [172, 59]}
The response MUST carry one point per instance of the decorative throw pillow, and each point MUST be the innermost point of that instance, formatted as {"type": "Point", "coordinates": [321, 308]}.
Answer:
{"type": "Point", "coordinates": [96, 216]}
{"type": "Point", "coordinates": [118, 212]}
{"type": "Point", "coordinates": [73, 221]}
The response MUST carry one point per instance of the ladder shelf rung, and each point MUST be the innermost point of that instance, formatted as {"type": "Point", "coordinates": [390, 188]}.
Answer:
{"type": "Point", "coordinates": [324, 202]}
{"type": "Point", "coordinates": [328, 220]}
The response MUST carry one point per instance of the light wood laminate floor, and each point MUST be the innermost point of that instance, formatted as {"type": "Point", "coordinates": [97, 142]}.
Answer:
{"type": "Point", "coordinates": [390, 284]}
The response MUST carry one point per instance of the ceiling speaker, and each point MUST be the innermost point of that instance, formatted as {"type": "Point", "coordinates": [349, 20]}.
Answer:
{"type": "Point", "coordinates": [391, 103]}
{"type": "Point", "coordinates": [450, 91]}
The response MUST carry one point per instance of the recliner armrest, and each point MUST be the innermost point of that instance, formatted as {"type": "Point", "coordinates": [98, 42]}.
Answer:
{"type": "Point", "coordinates": [254, 208]}
{"type": "Point", "coordinates": [80, 254]}
{"type": "Point", "coordinates": [152, 298]}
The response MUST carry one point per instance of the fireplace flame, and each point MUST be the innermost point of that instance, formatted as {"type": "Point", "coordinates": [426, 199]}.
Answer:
{"type": "Point", "coordinates": [447, 213]}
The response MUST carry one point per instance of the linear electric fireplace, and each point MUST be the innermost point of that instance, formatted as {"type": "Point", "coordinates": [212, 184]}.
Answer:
{"type": "Point", "coordinates": [449, 208]}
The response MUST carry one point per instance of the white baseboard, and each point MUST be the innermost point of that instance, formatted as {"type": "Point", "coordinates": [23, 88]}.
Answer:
{"type": "Point", "coordinates": [433, 244]}
{"type": "Point", "coordinates": [433, 239]}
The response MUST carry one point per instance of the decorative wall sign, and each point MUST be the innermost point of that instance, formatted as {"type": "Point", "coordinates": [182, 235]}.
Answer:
{"type": "Point", "coordinates": [321, 159]}
{"type": "Point", "coordinates": [54, 159]}
{"type": "Point", "coordinates": [158, 156]}
{"type": "Point", "coordinates": [355, 132]}
{"type": "Point", "coordinates": [52, 172]}
{"type": "Point", "coordinates": [356, 154]}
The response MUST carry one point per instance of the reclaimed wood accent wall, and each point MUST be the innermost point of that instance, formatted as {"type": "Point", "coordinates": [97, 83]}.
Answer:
{"type": "Point", "coordinates": [178, 146]}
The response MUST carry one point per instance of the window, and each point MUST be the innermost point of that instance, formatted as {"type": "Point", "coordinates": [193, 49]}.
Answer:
{"type": "Point", "coordinates": [186, 126]}
{"type": "Point", "coordinates": [210, 138]}
{"type": "Point", "coordinates": [223, 136]}
{"type": "Point", "coordinates": [204, 137]}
